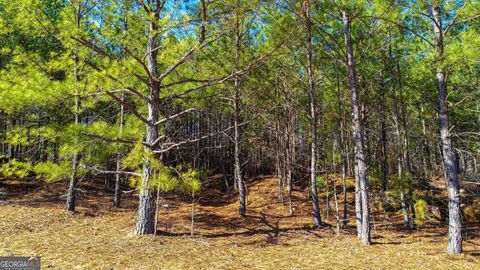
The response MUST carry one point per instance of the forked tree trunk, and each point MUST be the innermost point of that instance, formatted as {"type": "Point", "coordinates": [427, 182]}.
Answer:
{"type": "Point", "coordinates": [361, 177]}
{"type": "Point", "coordinates": [454, 215]}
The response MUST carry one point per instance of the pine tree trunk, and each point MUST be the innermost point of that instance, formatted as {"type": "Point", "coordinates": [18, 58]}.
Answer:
{"type": "Point", "coordinates": [383, 131]}
{"type": "Point", "coordinates": [398, 138]}
{"type": "Point", "coordinates": [280, 174]}
{"type": "Point", "coordinates": [361, 176]}
{"type": "Point", "coordinates": [289, 160]}
{"type": "Point", "coordinates": [236, 118]}
{"type": "Point", "coordinates": [342, 148]}
{"type": "Point", "coordinates": [145, 223]}
{"type": "Point", "coordinates": [454, 214]}
{"type": "Point", "coordinates": [72, 185]}
{"type": "Point", "coordinates": [313, 120]}
{"type": "Point", "coordinates": [118, 177]}
{"type": "Point", "coordinates": [426, 159]}
{"type": "Point", "coordinates": [118, 180]}
{"type": "Point", "coordinates": [334, 168]}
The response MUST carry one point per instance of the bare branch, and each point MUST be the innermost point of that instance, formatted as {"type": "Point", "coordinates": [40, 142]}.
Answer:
{"type": "Point", "coordinates": [177, 144]}
{"type": "Point", "coordinates": [156, 142]}
{"type": "Point", "coordinates": [192, 80]}
{"type": "Point", "coordinates": [209, 83]}
{"type": "Point", "coordinates": [92, 46]}
{"type": "Point", "coordinates": [182, 60]}
{"type": "Point", "coordinates": [225, 78]}
{"type": "Point", "coordinates": [142, 63]}
{"type": "Point", "coordinates": [108, 139]}
{"type": "Point", "coordinates": [110, 172]}
{"type": "Point", "coordinates": [130, 89]}
{"type": "Point", "coordinates": [404, 27]}
{"type": "Point", "coordinates": [171, 117]}
{"type": "Point", "coordinates": [142, 4]}
{"type": "Point", "coordinates": [130, 109]}
{"type": "Point", "coordinates": [454, 20]}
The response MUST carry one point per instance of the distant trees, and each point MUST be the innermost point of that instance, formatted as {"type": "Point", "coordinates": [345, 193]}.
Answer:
{"type": "Point", "coordinates": [160, 92]}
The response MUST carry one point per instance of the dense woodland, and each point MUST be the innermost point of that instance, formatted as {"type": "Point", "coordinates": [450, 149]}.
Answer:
{"type": "Point", "coordinates": [158, 95]}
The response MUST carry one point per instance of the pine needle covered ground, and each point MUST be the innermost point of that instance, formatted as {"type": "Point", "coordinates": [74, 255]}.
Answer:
{"type": "Point", "coordinates": [33, 222]}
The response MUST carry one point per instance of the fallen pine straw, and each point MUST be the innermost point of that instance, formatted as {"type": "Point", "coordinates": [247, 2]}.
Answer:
{"type": "Point", "coordinates": [266, 239]}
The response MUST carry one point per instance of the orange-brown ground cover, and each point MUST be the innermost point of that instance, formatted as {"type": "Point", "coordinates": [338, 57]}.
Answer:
{"type": "Point", "coordinates": [97, 236]}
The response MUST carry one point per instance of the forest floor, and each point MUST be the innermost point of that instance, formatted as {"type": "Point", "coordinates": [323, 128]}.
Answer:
{"type": "Point", "coordinates": [97, 236]}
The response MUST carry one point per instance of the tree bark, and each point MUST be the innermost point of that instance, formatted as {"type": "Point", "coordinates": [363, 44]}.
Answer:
{"type": "Point", "coordinates": [313, 119]}
{"type": "Point", "coordinates": [118, 178]}
{"type": "Point", "coordinates": [236, 115]}
{"type": "Point", "coordinates": [145, 223]}
{"type": "Point", "coordinates": [454, 215]}
{"type": "Point", "coordinates": [342, 147]}
{"type": "Point", "coordinates": [290, 148]}
{"type": "Point", "coordinates": [361, 176]}
{"type": "Point", "coordinates": [72, 185]}
{"type": "Point", "coordinates": [398, 137]}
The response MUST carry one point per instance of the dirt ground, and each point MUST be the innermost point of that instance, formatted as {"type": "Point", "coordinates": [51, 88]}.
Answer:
{"type": "Point", "coordinates": [97, 236]}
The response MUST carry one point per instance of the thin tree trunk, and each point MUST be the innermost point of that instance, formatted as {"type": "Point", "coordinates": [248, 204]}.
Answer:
{"type": "Point", "coordinates": [279, 162]}
{"type": "Point", "coordinates": [398, 138]}
{"type": "Point", "coordinates": [72, 186]}
{"type": "Point", "coordinates": [342, 148]}
{"type": "Point", "coordinates": [361, 176]}
{"type": "Point", "coordinates": [236, 115]}
{"type": "Point", "coordinates": [334, 169]}
{"type": "Point", "coordinates": [383, 131]}
{"type": "Point", "coordinates": [405, 149]}
{"type": "Point", "coordinates": [157, 212]}
{"type": "Point", "coordinates": [289, 157]}
{"type": "Point", "coordinates": [313, 119]}
{"type": "Point", "coordinates": [426, 158]}
{"type": "Point", "coordinates": [454, 215]}
{"type": "Point", "coordinates": [192, 225]}
{"type": "Point", "coordinates": [118, 178]}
